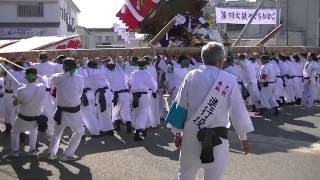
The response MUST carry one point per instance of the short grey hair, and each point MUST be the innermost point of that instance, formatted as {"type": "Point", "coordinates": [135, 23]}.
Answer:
{"type": "Point", "coordinates": [212, 53]}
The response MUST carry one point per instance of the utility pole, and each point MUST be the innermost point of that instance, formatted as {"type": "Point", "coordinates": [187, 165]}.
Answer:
{"type": "Point", "coordinates": [249, 22]}
{"type": "Point", "coordinates": [278, 20]}
{"type": "Point", "coordinates": [287, 22]}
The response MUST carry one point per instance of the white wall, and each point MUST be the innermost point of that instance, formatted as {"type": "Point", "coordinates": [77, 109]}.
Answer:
{"type": "Point", "coordinates": [63, 29]}
{"type": "Point", "coordinates": [8, 12]}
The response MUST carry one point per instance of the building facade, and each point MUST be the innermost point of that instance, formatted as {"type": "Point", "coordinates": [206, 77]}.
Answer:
{"type": "Point", "coordinates": [300, 20]}
{"type": "Point", "coordinates": [106, 38]}
{"type": "Point", "coordinates": [27, 18]}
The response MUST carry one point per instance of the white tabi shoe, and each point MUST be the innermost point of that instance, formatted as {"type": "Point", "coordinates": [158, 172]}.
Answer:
{"type": "Point", "coordinates": [33, 153]}
{"type": "Point", "coordinates": [52, 157]}
{"type": "Point", "coordinates": [14, 154]}
{"type": "Point", "coordinates": [69, 158]}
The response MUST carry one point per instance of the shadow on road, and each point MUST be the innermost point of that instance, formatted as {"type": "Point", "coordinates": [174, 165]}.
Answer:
{"type": "Point", "coordinates": [290, 130]}
{"type": "Point", "coordinates": [159, 143]}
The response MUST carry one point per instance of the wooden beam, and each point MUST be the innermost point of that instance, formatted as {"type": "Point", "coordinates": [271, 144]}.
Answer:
{"type": "Point", "coordinates": [270, 35]}
{"type": "Point", "coordinates": [173, 51]}
{"type": "Point", "coordinates": [163, 31]}
{"type": "Point", "coordinates": [78, 53]}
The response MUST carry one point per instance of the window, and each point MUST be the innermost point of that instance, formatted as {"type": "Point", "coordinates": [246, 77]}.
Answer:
{"type": "Point", "coordinates": [235, 27]}
{"type": "Point", "coordinates": [109, 39]}
{"type": "Point", "coordinates": [99, 39]}
{"type": "Point", "coordinates": [30, 10]}
{"type": "Point", "coordinates": [61, 13]}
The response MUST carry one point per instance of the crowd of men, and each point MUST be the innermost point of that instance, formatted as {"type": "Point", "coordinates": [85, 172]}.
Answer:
{"type": "Point", "coordinates": [106, 94]}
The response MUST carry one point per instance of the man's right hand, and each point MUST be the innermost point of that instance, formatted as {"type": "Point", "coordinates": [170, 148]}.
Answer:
{"type": "Point", "coordinates": [178, 140]}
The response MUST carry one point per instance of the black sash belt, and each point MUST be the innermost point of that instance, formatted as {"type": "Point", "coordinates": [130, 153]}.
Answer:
{"type": "Point", "coordinates": [266, 84]}
{"type": "Point", "coordinates": [84, 98]}
{"type": "Point", "coordinates": [210, 138]}
{"type": "Point", "coordinates": [284, 82]}
{"type": "Point", "coordinates": [8, 91]}
{"type": "Point", "coordinates": [116, 96]}
{"type": "Point", "coordinates": [102, 98]}
{"type": "Point", "coordinates": [306, 78]}
{"type": "Point", "coordinates": [41, 121]}
{"type": "Point", "coordinates": [29, 118]}
{"type": "Point", "coordinates": [136, 96]}
{"type": "Point", "coordinates": [57, 115]}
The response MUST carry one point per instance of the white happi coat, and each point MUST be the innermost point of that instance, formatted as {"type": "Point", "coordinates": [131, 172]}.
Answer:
{"type": "Point", "coordinates": [128, 69]}
{"type": "Point", "coordinates": [89, 112]}
{"type": "Point", "coordinates": [31, 99]}
{"type": "Point", "coordinates": [118, 80]}
{"type": "Point", "coordinates": [98, 79]}
{"type": "Point", "coordinates": [190, 97]}
{"type": "Point", "coordinates": [1, 100]}
{"type": "Point", "coordinates": [10, 84]}
{"type": "Point", "coordinates": [180, 74]}
{"type": "Point", "coordinates": [279, 81]}
{"type": "Point", "coordinates": [69, 92]}
{"type": "Point", "coordinates": [236, 71]}
{"type": "Point", "coordinates": [154, 114]}
{"type": "Point", "coordinates": [290, 81]}
{"type": "Point", "coordinates": [142, 81]}
{"type": "Point", "coordinates": [283, 66]}
{"type": "Point", "coordinates": [309, 87]}
{"type": "Point", "coordinates": [249, 74]}
{"type": "Point", "coordinates": [268, 94]}
{"type": "Point", "coordinates": [317, 91]}
{"type": "Point", "coordinates": [161, 88]}
{"type": "Point", "coordinates": [297, 81]}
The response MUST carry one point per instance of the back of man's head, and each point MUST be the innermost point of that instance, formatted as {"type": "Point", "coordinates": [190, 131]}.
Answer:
{"type": "Point", "coordinates": [31, 74]}
{"type": "Point", "coordinates": [69, 64]}
{"type": "Point", "coordinates": [43, 57]}
{"type": "Point", "coordinates": [213, 54]}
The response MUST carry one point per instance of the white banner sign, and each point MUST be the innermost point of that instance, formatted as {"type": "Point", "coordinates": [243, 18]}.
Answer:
{"type": "Point", "coordinates": [242, 16]}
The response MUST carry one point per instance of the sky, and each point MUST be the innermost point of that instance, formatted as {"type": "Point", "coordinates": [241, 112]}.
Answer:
{"type": "Point", "coordinates": [98, 13]}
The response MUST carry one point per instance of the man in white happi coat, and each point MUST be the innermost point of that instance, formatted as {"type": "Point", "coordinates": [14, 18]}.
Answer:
{"type": "Point", "coordinates": [141, 82]}
{"type": "Point", "coordinates": [280, 92]}
{"type": "Point", "coordinates": [161, 88]}
{"type": "Point", "coordinates": [121, 110]}
{"type": "Point", "coordinates": [285, 73]}
{"type": "Point", "coordinates": [309, 86]}
{"type": "Point", "coordinates": [11, 87]}
{"type": "Point", "coordinates": [180, 71]}
{"type": "Point", "coordinates": [1, 99]}
{"type": "Point", "coordinates": [88, 109]}
{"type": "Point", "coordinates": [231, 68]}
{"type": "Point", "coordinates": [69, 91]}
{"type": "Point", "coordinates": [268, 84]}
{"type": "Point", "coordinates": [297, 79]}
{"type": "Point", "coordinates": [200, 122]}
{"type": "Point", "coordinates": [130, 66]}
{"type": "Point", "coordinates": [97, 76]}
{"type": "Point", "coordinates": [166, 66]}
{"type": "Point", "coordinates": [46, 69]}
{"type": "Point", "coordinates": [30, 98]}
{"type": "Point", "coordinates": [248, 72]}
{"type": "Point", "coordinates": [317, 93]}
{"type": "Point", "coordinates": [154, 113]}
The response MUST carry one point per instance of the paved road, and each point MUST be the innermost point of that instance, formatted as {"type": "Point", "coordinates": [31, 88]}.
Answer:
{"type": "Point", "coordinates": [284, 148]}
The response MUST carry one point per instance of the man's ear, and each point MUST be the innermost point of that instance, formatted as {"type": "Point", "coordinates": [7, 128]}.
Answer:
{"type": "Point", "coordinates": [221, 63]}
